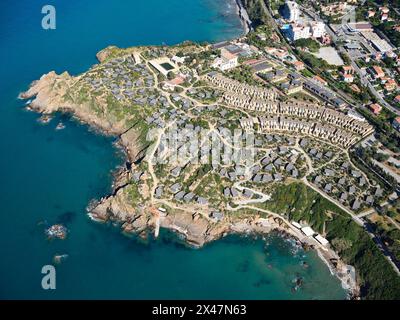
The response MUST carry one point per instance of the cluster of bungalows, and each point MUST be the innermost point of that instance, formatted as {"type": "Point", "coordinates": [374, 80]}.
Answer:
{"type": "Point", "coordinates": [348, 185]}
{"type": "Point", "coordinates": [307, 127]}
{"type": "Point", "coordinates": [180, 195]}
{"type": "Point", "coordinates": [224, 83]}
{"type": "Point", "coordinates": [310, 120]}
{"type": "Point", "coordinates": [119, 77]}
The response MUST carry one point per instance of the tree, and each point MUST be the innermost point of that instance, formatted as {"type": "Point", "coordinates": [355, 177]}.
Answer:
{"type": "Point", "coordinates": [170, 75]}
{"type": "Point", "coordinates": [341, 244]}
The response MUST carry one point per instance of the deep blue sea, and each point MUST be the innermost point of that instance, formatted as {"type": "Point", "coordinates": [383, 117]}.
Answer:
{"type": "Point", "coordinates": [49, 176]}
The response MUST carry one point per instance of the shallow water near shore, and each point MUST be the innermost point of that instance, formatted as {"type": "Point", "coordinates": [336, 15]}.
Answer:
{"type": "Point", "coordinates": [49, 176]}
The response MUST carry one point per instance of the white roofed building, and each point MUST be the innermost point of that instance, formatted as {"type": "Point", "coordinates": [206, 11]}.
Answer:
{"type": "Point", "coordinates": [317, 29]}
{"type": "Point", "coordinates": [308, 231]}
{"type": "Point", "coordinates": [296, 32]}
{"type": "Point", "coordinates": [226, 61]}
{"type": "Point", "coordinates": [321, 240]}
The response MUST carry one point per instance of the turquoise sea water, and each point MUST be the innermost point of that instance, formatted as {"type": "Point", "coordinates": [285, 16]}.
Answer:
{"type": "Point", "coordinates": [49, 175]}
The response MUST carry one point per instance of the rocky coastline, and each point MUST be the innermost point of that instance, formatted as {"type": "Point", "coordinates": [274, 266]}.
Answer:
{"type": "Point", "coordinates": [244, 17]}
{"type": "Point", "coordinates": [196, 228]}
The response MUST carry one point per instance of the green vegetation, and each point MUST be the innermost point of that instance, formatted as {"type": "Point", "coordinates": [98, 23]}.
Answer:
{"type": "Point", "coordinates": [318, 65]}
{"type": "Point", "coordinates": [298, 202]}
{"type": "Point", "coordinates": [362, 158]}
{"type": "Point", "coordinates": [242, 74]}
{"type": "Point", "coordinates": [390, 236]}
{"type": "Point", "coordinates": [133, 193]}
{"type": "Point", "coordinates": [384, 130]}
{"type": "Point", "coordinates": [309, 44]}
{"type": "Point", "coordinates": [256, 13]}
{"type": "Point", "coordinates": [253, 38]}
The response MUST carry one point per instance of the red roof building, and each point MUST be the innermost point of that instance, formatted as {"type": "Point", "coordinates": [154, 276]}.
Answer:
{"type": "Point", "coordinates": [375, 108]}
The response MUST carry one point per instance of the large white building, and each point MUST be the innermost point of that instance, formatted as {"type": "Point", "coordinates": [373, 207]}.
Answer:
{"type": "Point", "coordinates": [291, 11]}
{"type": "Point", "coordinates": [296, 32]}
{"type": "Point", "coordinates": [317, 29]}
{"type": "Point", "coordinates": [226, 61]}
{"type": "Point", "coordinates": [314, 29]}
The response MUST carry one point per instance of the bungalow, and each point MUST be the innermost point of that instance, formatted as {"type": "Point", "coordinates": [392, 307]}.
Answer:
{"type": "Point", "coordinates": [347, 70]}
{"type": "Point", "coordinates": [266, 178]}
{"type": "Point", "coordinates": [317, 179]}
{"type": "Point", "coordinates": [356, 204]}
{"type": "Point", "coordinates": [175, 188]}
{"type": "Point", "coordinates": [176, 171]}
{"type": "Point", "coordinates": [159, 191]}
{"type": "Point", "coordinates": [298, 65]}
{"type": "Point", "coordinates": [348, 78]}
{"type": "Point", "coordinates": [375, 108]}
{"type": "Point", "coordinates": [384, 10]}
{"type": "Point", "coordinates": [201, 200]}
{"type": "Point", "coordinates": [369, 199]}
{"type": "Point", "coordinates": [377, 72]}
{"type": "Point", "coordinates": [390, 85]}
{"type": "Point", "coordinates": [188, 197]}
{"type": "Point", "coordinates": [396, 123]}
{"type": "Point", "coordinates": [320, 81]}
{"type": "Point", "coordinates": [397, 99]}
{"type": "Point", "coordinates": [217, 216]}
{"type": "Point", "coordinates": [179, 195]}
{"type": "Point", "coordinates": [247, 193]}
{"type": "Point", "coordinates": [328, 187]}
